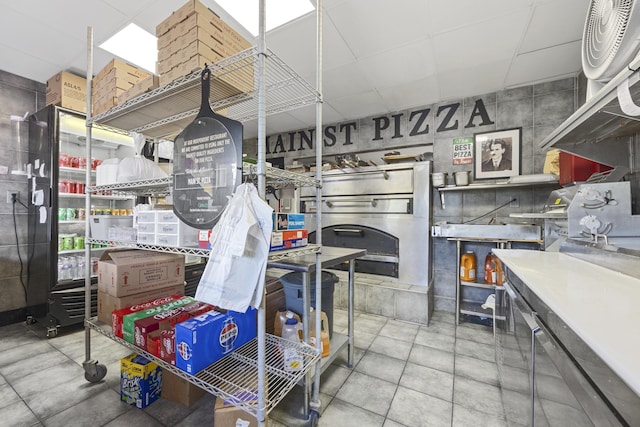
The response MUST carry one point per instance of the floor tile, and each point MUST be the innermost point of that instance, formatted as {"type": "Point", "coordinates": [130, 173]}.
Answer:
{"type": "Point", "coordinates": [103, 407]}
{"type": "Point", "coordinates": [56, 399]}
{"type": "Point", "coordinates": [53, 376]}
{"type": "Point", "coordinates": [363, 340]}
{"type": "Point", "coordinates": [343, 414]}
{"type": "Point", "coordinates": [465, 417]}
{"type": "Point", "coordinates": [18, 414]}
{"type": "Point", "coordinates": [391, 347]}
{"type": "Point", "coordinates": [476, 369]}
{"type": "Point", "coordinates": [443, 316]}
{"type": "Point", "coordinates": [415, 409]}
{"type": "Point", "coordinates": [367, 392]}
{"type": "Point", "coordinates": [442, 341]}
{"type": "Point", "coordinates": [381, 366]}
{"type": "Point", "coordinates": [402, 331]}
{"type": "Point", "coordinates": [476, 350]}
{"type": "Point", "coordinates": [369, 323]}
{"type": "Point", "coordinates": [8, 396]}
{"type": "Point", "coordinates": [479, 396]}
{"type": "Point", "coordinates": [432, 358]}
{"type": "Point", "coordinates": [333, 378]}
{"type": "Point", "coordinates": [441, 327]}
{"type": "Point", "coordinates": [390, 423]}
{"type": "Point", "coordinates": [136, 418]}
{"type": "Point", "coordinates": [477, 333]}
{"type": "Point", "coordinates": [428, 381]}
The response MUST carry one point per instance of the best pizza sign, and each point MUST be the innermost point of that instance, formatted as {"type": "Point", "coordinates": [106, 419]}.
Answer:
{"type": "Point", "coordinates": [463, 151]}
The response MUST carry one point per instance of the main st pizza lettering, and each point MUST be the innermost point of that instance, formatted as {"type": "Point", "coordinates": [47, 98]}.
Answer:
{"type": "Point", "coordinates": [389, 126]}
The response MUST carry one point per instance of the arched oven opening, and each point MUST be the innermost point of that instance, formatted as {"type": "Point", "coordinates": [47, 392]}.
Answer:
{"type": "Point", "coordinates": [383, 249]}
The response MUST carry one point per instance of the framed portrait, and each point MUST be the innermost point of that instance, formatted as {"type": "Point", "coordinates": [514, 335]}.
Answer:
{"type": "Point", "coordinates": [497, 154]}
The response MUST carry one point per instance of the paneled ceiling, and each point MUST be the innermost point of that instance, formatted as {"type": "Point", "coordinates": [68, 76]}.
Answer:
{"type": "Point", "coordinates": [378, 55]}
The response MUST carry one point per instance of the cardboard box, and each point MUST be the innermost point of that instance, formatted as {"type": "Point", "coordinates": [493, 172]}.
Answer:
{"type": "Point", "coordinates": [131, 70]}
{"type": "Point", "coordinates": [128, 272]}
{"type": "Point", "coordinates": [168, 346]}
{"type": "Point", "coordinates": [143, 86]}
{"type": "Point", "coordinates": [287, 221]}
{"type": "Point", "coordinates": [177, 389]}
{"type": "Point", "coordinates": [67, 90]}
{"type": "Point", "coordinates": [289, 239]}
{"type": "Point", "coordinates": [166, 320]}
{"type": "Point", "coordinates": [107, 304]}
{"type": "Point", "coordinates": [227, 415]}
{"type": "Point", "coordinates": [128, 320]}
{"type": "Point", "coordinates": [140, 381]}
{"type": "Point", "coordinates": [206, 338]}
{"type": "Point", "coordinates": [275, 298]}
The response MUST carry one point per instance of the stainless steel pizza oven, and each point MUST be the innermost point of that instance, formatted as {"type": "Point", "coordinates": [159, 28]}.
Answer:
{"type": "Point", "coordinates": [383, 209]}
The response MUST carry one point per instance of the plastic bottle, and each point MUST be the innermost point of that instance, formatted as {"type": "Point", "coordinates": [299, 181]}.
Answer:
{"type": "Point", "coordinates": [499, 272]}
{"type": "Point", "coordinates": [489, 270]}
{"type": "Point", "coordinates": [281, 317]}
{"type": "Point", "coordinates": [292, 331]}
{"type": "Point", "coordinates": [324, 332]}
{"type": "Point", "coordinates": [468, 267]}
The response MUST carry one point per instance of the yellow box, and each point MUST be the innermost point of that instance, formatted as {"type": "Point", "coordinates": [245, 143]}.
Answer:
{"type": "Point", "coordinates": [67, 90]}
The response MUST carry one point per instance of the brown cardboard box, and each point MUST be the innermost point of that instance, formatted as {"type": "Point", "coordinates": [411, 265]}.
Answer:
{"type": "Point", "coordinates": [229, 415]}
{"type": "Point", "coordinates": [108, 303]}
{"type": "Point", "coordinates": [139, 88]}
{"type": "Point", "coordinates": [275, 299]}
{"type": "Point", "coordinates": [134, 72]}
{"type": "Point", "coordinates": [177, 389]}
{"type": "Point", "coordinates": [67, 90]}
{"type": "Point", "coordinates": [128, 272]}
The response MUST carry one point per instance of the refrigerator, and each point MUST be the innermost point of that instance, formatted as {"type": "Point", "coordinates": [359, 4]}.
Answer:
{"type": "Point", "coordinates": [56, 173]}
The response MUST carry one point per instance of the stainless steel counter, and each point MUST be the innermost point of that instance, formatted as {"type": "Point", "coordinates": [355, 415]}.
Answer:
{"type": "Point", "coordinates": [592, 311]}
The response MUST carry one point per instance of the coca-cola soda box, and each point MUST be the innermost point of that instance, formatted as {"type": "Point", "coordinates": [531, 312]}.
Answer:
{"type": "Point", "coordinates": [128, 321]}
{"type": "Point", "coordinates": [118, 315]}
{"type": "Point", "coordinates": [167, 319]}
{"type": "Point", "coordinates": [202, 340]}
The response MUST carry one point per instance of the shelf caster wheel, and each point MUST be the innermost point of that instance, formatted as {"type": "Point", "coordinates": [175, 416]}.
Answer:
{"type": "Point", "coordinates": [30, 320]}
{"type": "Point", "coordinates": [313, 418]}
{"type": "Point", "coordinates": [52, 332]}
{"type": "Point", "coordinates": [94, 372]}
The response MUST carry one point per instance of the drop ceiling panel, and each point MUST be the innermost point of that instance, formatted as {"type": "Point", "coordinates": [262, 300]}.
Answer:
{"type": "Point", "coordinates": [553, 15]}
{"type": "Point", "coordinates": [371, 26]}
{"type": "Point", "coordinates": [447, 15]}
{"type": "Point", "coordinates": [399, 66]}
{"type": "Point", "coordinates": [531, 67]}
{"type": "Point", "coordinates": [482, 78]}
{"type": "Point", "coordinates": [483, 43]}
{"type": "Point", "coordinates": [344, 81]}
{"type": "Point", "coordinates": [359, 105]}
{"type": "Point", "coordinates": [412, 94]}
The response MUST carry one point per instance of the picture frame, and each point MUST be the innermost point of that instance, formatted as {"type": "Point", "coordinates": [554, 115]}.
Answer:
{"type": "Point", "coordinates": [506, 146]}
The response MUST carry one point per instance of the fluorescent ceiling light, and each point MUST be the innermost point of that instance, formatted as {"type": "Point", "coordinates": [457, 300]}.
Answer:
{"type": "Point", "coordinates": [134, 45]}
{"type": "Point", "coordinates": [278, 12]}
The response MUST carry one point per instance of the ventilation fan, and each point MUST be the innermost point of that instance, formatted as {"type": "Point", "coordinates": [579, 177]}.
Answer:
{"type": "Point", "coordinates": [610, 41]}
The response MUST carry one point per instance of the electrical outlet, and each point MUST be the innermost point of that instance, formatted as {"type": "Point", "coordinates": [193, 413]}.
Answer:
{"type": "Point", "coordinates": [515, 202]}
{"type": "Point", "coordinates": [10, 193]}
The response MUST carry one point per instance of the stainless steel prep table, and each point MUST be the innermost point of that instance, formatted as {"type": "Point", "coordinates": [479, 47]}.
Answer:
{"type": "Point", "coordinates": [306, 264]}
{"type": "Point", "coordinates": [592, 311]}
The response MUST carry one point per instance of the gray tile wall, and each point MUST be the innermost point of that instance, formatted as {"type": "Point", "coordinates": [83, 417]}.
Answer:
{"type": "Point", "coordinates": [17, 97]}
{"type": "Point", "coordinates": [538, 109]}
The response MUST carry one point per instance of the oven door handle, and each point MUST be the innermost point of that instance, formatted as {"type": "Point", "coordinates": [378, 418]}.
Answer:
{"type": "Point", "coordinates": [349, 230]}
{"type": "Point", "coordinates": [372, 202]}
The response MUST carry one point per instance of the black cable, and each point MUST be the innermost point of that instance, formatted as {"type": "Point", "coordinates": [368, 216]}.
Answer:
{"type": "Point", "coordinates": [490, 212]}
{"type": "Point", "coordinates": [15, 229]}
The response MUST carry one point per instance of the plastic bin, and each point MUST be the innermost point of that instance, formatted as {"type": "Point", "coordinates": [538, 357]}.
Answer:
{"type": "Point", "coordinates": [292, 283]}
{"type": "Point", "coordinates": [100, 224]}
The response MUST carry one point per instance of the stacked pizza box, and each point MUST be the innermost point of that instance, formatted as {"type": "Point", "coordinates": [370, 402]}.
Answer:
{"type": "Point", "coordinates": [116, 78]}
{"type": "Point", "coordinates": [195, 36]}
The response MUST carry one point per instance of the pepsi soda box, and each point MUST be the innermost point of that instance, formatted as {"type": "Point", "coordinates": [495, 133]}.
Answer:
{"type": "Point", "coordinates": [204, 339]}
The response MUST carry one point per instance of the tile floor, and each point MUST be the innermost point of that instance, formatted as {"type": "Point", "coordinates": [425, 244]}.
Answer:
{"type": "Point", "coordinates": [404, 375]}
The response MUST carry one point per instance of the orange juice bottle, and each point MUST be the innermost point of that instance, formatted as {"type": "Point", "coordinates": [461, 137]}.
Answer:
{"type": "Point", "coordinates": [468, 267]}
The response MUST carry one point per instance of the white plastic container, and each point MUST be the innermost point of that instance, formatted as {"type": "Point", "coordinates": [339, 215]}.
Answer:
{"type": "Point", "coordinates": [292, 331]}
{"type": "Point", "coordinates": [461, 178]}
{"type": "Point", "coordinates": [439, 179]}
